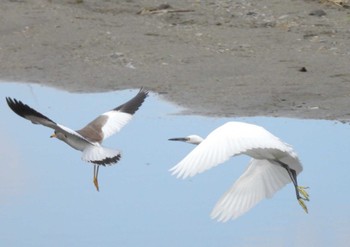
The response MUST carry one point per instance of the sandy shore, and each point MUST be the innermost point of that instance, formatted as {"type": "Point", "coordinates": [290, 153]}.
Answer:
{"type": "Point", "coordinates": [287, 58]}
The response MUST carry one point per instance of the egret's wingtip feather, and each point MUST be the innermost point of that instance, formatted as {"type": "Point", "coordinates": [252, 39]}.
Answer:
{"type": "Point", "coordinates": [221, 218]}
{"type": "Point", "coordinates": [173, 169]}
{"type": "Point", "coordinates": [177, 172]}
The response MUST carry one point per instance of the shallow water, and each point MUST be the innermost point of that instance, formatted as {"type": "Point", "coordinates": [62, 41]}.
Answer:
{"type": "Point", "coordinates": [47, 197]}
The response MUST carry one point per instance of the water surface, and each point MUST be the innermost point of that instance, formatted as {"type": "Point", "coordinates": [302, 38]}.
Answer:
{"type": "Point", "coordinates": [47, 197]}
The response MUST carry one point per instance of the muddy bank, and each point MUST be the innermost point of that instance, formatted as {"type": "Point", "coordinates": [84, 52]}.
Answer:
{"type": "Point", "coordinates": [221, 58]}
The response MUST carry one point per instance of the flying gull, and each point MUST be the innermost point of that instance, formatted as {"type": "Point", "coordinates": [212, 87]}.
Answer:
{"type": "Point", "coordinates": [88, 139]}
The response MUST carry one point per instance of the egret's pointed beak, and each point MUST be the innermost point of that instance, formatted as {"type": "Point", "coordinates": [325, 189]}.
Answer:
{"type": "Point", "coordinates": [181, 139]}
{"type": "Point", "coordinates": [53, 135]}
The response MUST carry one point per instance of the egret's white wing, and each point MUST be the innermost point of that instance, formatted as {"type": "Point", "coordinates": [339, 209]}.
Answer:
{"type": "Point", "coordinates": [262, 179]}
{"type": "Point", "coordinates": [113, 121]}
{"type": "Point", "coordinates": [230, 139]}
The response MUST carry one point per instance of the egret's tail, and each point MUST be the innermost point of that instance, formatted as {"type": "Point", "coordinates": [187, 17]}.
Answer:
{"type": "Point", "coordinates": [262, 179]}
{"type": "Point", "coordinates": [100, 155]}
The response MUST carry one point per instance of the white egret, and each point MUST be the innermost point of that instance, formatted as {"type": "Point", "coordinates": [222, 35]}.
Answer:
{"type": "Point", "coordinates": [273, 165]}
{"type": "Point", "coordinates": [88, 139]}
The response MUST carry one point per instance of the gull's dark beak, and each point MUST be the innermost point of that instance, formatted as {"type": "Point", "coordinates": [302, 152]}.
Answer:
{"type": "Point", "coordinates": [53, 135]}
{"type": "Point", "coordinates": [181, 139]}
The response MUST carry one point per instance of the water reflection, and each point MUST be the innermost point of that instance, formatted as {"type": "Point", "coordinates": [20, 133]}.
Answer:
{"type": "Point", "coordinates": [47, 196]}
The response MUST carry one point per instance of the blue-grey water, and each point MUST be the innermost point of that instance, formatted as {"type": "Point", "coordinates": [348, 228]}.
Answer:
{"type": "Point", "coordinates": [47, 197]}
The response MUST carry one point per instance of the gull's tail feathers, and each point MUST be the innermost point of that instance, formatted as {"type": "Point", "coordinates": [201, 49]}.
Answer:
{"type": "Point", "coordinates": [100, 155]}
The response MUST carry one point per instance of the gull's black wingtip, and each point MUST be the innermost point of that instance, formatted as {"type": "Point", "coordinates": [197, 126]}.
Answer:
{"type": "Point", "coordinates": [10, 101]}
{"type": "Point", "coordinates": [24, 110]}
{"type": "Point", "coordinates": [144, 91]}
{"type": "Point", "coordinates": [15, 105]}
{"type": "Point", "coordinates": [133, 104]}
{"type": "Point", "coordinates": [13, 101]}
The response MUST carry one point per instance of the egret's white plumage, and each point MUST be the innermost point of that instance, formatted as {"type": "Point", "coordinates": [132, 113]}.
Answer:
{"type": "Point", "coordinates": [274, 165]}
{"type": "Point", "coordinates": [88, 139]}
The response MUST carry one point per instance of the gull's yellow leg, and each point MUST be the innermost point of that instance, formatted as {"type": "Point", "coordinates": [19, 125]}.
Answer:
{"type": "Point", "coordinates": [96, 167]}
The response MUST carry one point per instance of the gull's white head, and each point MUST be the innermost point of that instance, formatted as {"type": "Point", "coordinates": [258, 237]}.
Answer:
{"type": "Point", "coordinates": [193, 139]}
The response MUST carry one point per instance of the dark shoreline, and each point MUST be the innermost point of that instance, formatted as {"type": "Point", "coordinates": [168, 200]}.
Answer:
{"type": "Point", "coordinates": [229, 59]}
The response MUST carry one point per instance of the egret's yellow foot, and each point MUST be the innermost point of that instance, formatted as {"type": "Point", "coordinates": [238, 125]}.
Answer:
{"type": "Point", "coordinates": [302, 204]}
{"type": "Point", "coordinates": [96, 184]}
{"type": "Point", "coordinates": [302, 190]}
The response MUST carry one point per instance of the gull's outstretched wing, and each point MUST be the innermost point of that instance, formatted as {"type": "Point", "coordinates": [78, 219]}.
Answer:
{"type": "Point", "coordinates": [261, 180]}
{"type": "Point", "coordinates": [30, 114]}
{"type": "Point", "coordinates": [36, 117]}
{"type": "Point", "coordinates": [234, 138]}
{"type": "Point", "coordinates": [112, 121]}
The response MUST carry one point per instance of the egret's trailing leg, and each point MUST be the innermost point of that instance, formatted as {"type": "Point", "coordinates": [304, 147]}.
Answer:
{"type": "Point", "coordinates": [298, 189]}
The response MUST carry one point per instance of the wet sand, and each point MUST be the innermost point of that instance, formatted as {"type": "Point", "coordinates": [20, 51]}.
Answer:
{"type": "Point", "coordinates": [286, 58]}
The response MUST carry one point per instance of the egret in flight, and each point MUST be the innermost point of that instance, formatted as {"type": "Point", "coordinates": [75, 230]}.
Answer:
{"type": "Point", "coordinates": [88, 139]}
{"type": "Point", "coordinates": [273, 165]}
